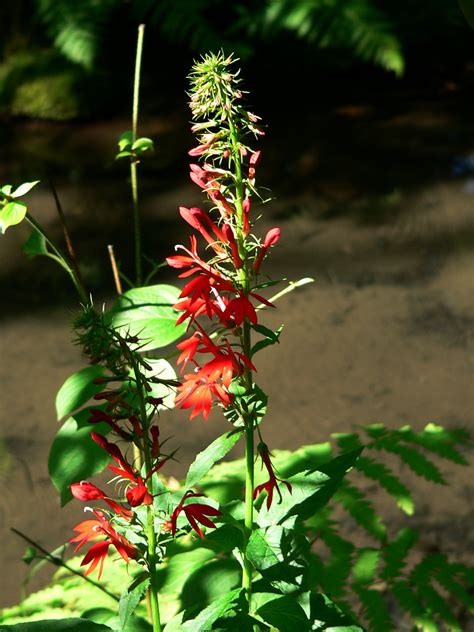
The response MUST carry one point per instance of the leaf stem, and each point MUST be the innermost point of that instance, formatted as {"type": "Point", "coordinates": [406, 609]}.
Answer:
{"type": "Point", "coordinates": [62, 260]}
{"type": "Point", "coordinates": [57, 561]}
{"type": "Point", "coordinates": [134, 161]}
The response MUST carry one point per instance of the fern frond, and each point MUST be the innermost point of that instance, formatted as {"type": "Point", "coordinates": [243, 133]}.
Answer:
{"type": "Point", "coordinates": [366, 565]}
{"type": "Point", "coordinates": [409, 602]}
{"type": "Point", "coordinates": [388, 480]}
{"type": "Point", "coordinates": [436, 604]}
{"type": "Point", "coordinates": [415, 460]}
{"type": "Point", "coordinates": [338, 567]}
{"type": "Point", "coordinates": [356, 25]}
{"type": "Point", "coordinates": [438, 440]}
{"type": "Point", "coordinates": [76, 27]}
{"type": "Point", "coordinates": [375, 610]}
{"type": "Point", "coordinates": [395, 553]}
{"type": "Point", "coordinates": [363, 512]}
{"type": "Point", "coordinates": [449, 575]}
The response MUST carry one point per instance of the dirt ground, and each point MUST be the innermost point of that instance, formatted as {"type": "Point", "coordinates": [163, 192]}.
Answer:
{"type": "Point", "coordinates": [375, 203]}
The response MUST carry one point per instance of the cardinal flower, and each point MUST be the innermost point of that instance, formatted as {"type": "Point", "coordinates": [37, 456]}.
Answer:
{"type": "Point", "coordinates": [194, 512]}
{"type": "Point", "coordinates": [273, 481]}
{"type": "Point", "coordinates": [91, 529]}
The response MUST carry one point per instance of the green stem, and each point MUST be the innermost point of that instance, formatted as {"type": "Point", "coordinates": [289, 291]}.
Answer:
{"type": "Point", "coordinates": [58, 256]}
{"type": "Point", "coordinates": [133, 160]}
{"type": "Point", "coordinates": [247, 376]}
{"type": "Point", "coordinates": [151, 535]}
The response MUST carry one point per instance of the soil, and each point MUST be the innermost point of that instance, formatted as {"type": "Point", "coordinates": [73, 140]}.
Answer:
{"type": "Point", "coordinates": [375, 199]}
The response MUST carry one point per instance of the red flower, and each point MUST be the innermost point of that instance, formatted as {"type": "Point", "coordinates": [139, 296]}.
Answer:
{"type": "Point", "coordinates": [201, 221]}
{"type": "Point", "coordinates": [198, 392]}
{"type": "Point", "coordinates": [194, 512]}
{"type": "Point", "coordinates": [89, 530]}
{"type": "Point", "coordinates": [88, 491]}
{"type": "Point", "coordinates": [271, 238]}
{"type": "Point", "coordinates": [273, 481]}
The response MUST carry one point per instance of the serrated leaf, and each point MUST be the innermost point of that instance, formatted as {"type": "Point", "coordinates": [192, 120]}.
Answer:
{"type": "Point", "coordinates": [204, 621]}
{"type": "Point", "coordinates": [336, 570]}
{"type": "Point", "coordinates": [11, 214]}
{"type": "Point", "coordinates": [310, 491]}
{"type": "Point", "coordinates": [396, 551]}
{"type": "Point", "coordinates": [279, 555]}
{"type": "Point", "coordinates": [436, 604]}
{"type": "Point", "coordinates": [128, 603]}
{"type": "Point", "coordinates": [375, 610]}
{"type": "Point", "coordinates": [78, 389]}
{"type": "Point", "coordinates": [73, 456]}
{"type": "Point", "coordinates": [365, 567]}
{"type": "Point", "coordinates": [415, 460]}
{"type": "Point", "coordinates": [35, 245]}
{"type": "Point", "coordinates": [281, 611]}
{"type": "Point", "coordinates": [387, 479]}
{"type": "Point", "coordinates": [176, 571]}
{"type": "Point", "coordinates": [148, 313]}
{"type": "Point", "coordinates": [325, 615]}
{"type": "Point", "coordinates": [208, 457]}
{"type": "Point", "coordinates": [363, 512]}
{"type": "Point", "coordinates": [23, 189]}
{"type": "Point", "coordinates": [436, 439]}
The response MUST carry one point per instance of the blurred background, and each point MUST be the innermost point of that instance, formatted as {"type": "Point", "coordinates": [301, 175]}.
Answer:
{"type": "Point", "coordinates": [369, 156]}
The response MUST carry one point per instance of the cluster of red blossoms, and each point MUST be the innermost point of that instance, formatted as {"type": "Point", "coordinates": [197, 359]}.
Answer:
{"type": "Point", "coordinates": [216, 292]}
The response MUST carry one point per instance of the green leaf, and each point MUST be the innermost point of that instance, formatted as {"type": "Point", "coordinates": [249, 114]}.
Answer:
{"type": "Point", "coordinates": [129, 601]}
{"type": "Point", "coordinates": [361, 509]}
{"type": "Point", "coordinates": [326, 615]}
{"type": "Point", "coordinates": [206, 459]}
{"type": "Point", "coordinates": [123, 154]}
{"type": "Point", "coordinates": [162, 370]}
{"type": "Point", "coordinates": [78, 389]}
{"type": "Point", "coordinates": [365, 568]}
{"type": "Point", "coordinates": [336, 570]}
{"type": "Point", "coordinates": [387, 479]}
{"type": "Point", "coordinates": [23, 189]}
{"type": "Point", "coordinates": [147, 312]}
{"type": "Point", "coordinates": [438, 440]}
{"type": "Point", "coordinates": [310, 491]}
{"type": "Point", "coordinates": [395, 553]}
{"type": "Point", "coordinates": [11, 214]}
{"type": "Point", "coordinates": [279, 555]}
{"type": "Point", "coordinates": [74, 456]}
{"type": "Point", "coordinates": [225, 604]}
{"type": "Point", "coordinates": [6, 190]}
{"type": "Point", "coordinates": [209, 582]}
{"type": "Point", "coordinates": [125, 139]}
{"type": "Point", "coordinates": [142, 144]}
{"type": "Point", "coordinates": [271, 337]}
{"type": "Point", "coordinates": [176, 571]}
{"type": "Point", "coordinates": [281, 611]}
{"type": "Point", "coordinates": [375, 610]}
{"type": "Point", "coordinates": [56, 625]}
{"type": "Point", "coordinates": [35, 245]}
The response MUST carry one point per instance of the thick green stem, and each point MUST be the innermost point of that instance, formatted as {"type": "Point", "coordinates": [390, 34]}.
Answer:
{"type": "Point", "coordinates": [151, 535]}
{"type": "Point", "coordinates": [246, 348]}
{"type": "Point", "coordinates": [133, 161]}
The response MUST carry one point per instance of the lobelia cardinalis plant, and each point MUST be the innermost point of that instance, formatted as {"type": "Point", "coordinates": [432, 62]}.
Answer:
{"type": "Point", "coordinates": [233, 546]}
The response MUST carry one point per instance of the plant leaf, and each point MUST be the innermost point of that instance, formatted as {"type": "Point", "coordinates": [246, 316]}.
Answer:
{"type": "Point", "coordinates": [74, 456]}
{"type": "Point", "coordinates": [279, 555]}
{"type": "Point", "coordinates": [129, 601]}
{"type": "Point", "coordinates": [147, 312]}
{"type": "Point", "coordinates": [57, 625]}
{"type": "Point", "coordinates": [203, 622]}
{"type": "Point", "coordinates": [23, 189]}
{"type": "Point", "coordinates": [206, 459]}
{"type": "Point", "coordinates": [35, 245]}
{"type": "Point", "coordinates": [78, 389]}
{"type": "Point", "coordinates": [11, 214]}
{"type": "Point", "coordinates": [281, 611]}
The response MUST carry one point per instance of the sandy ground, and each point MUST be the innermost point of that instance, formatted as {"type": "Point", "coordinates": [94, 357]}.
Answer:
{"type": "Point", "coordinates": [385, 334]}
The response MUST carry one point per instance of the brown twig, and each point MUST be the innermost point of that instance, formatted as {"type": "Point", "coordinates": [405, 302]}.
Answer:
{"type": "Point", "coordinates": [113, 263]}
